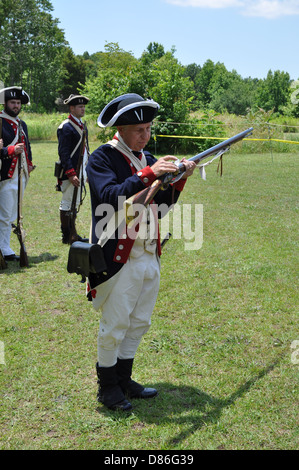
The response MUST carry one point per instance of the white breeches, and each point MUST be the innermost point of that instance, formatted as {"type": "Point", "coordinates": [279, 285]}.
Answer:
{"type": "Point", "coordinates": [67, 190]}
{"type": "Point", "coordinates": [8, 210]}
{"type": "Point", "coordinates": [127, 308]}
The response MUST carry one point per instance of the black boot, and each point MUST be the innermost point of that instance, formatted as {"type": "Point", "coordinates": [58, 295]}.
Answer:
{"type": "Point", "coordinates": [130, 388]}
{"type": "Point", "coordinates": [65, 227]}
{"type": "Point", "coordinates": [110, 393]}
{"type": "Point", "coordinates": [69, 234]}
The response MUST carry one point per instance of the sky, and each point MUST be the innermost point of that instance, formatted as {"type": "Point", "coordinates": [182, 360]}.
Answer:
{"type": "Point", "coordinates": [249, 36]}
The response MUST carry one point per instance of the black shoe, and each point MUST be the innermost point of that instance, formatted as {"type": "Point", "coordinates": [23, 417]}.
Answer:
{"type": "Point", "coordinates": [135, 390]}
{"type": "Point", "coordinates": [12, 258]}
{"type": "Point", "coordinates": [130, 388]}
{"type": "Point", "coordinates": [124, 405]}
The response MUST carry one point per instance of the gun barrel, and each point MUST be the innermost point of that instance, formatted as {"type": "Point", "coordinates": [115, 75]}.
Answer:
{"type": "Point", "coordinates": [212, 150]}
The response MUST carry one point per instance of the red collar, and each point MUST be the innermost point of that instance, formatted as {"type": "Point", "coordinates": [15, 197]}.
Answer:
{"type": "Point", "coordinates": [71, 118]}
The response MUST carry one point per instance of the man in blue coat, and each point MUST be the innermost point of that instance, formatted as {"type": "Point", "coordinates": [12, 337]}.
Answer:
{"type": "Point", "coordinates": [127, 291]}
{"type": "Point", "coordinates": [70, 135]}
{"type": "Point", "coordinates": [15, 143]}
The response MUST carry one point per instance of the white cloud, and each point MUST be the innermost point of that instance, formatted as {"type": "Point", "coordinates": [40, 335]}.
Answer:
{"type": "Point", "coordinates": [271, 8]}
{"type": "Point", "coordinates": [206, 3]}
{"type": "Point", "coordinates": [259, 8]}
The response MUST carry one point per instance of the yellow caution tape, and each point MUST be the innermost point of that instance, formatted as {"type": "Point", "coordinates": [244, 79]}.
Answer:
{"type": "Point", "coordinates": [224, 138]}
{"type": "Point", "coordinates": [277, 140]}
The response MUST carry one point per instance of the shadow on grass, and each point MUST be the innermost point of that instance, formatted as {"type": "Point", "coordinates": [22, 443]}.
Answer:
{"type": "Point", "coordinates": [13, 266]}
{"type": "Point", "coordinates": [187, 407]}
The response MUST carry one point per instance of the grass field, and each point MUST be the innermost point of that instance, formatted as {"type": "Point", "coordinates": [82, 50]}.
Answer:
{"type": "Point", "coordinates": [222, 346]}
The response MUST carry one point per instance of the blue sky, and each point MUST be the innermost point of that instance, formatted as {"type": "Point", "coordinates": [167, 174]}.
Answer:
{"type": "Point", "coordinates": [250, 36]}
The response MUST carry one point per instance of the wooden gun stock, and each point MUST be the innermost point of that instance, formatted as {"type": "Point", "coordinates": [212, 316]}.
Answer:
{"type": "Point", "coordinates": [18, 229]}
{"type": "Point", "coordinates": [3, 264]}
{"type": "Point", "coordinates": [23, 257]}
{"type": "Point", "coordinates": [143, 198]}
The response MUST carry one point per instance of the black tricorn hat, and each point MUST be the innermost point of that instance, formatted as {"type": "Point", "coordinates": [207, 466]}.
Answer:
{"type": "Point", "coordinates": [73, 100]}
{"type": "Point", "coordinates": [14, 93]}
{"type": "Point", "coordinates": [128, 109]}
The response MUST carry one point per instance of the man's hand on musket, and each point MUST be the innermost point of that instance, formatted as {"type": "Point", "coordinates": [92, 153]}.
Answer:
{"type": "Point", "coordinates": [31, 167]}
{"type": "Point", "coordinates": [1, 144]}
{"type": "Point", "coordinates": [74, 180]}
{"type": "Point", "coordinates": [166, 165]}
{"type": "Point", "coordinates": [190, 167]}
{"type": "Point", "coordinates": [19, 148]}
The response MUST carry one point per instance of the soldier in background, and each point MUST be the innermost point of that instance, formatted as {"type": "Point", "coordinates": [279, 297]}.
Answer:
{"type": "Point", "coordinates": [12, 98]}
{"type": "Point", "coordinates": [70, 134]}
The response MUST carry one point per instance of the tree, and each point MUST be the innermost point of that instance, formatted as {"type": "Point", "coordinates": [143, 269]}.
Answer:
{"type": "Point", "coordinates": [153, 52]}
{"type": "Point", "coordinates": [162, 79]}
{"type": "Point", "coordinates": [113, 58]}
{"type": "Point", "coordinates": [30, 48]}
{"type": "Point", "coordinates": [192, 71]}
{"type": "Point", "coordinates": [73, 72]}
{"type": "Point", "coordinates": [274, 91]}
{"type": "Point", "coordinates": [230, 92]}
{"type": "Point", "coordinates": [202, 83]}
{"type": "Point", "coordinates": [103, 88]}
{"type": "Point", "coordinates": [294, 98]}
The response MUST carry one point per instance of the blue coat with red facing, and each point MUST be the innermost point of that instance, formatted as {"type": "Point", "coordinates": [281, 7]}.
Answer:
{"type": "Point", "coordinates": [68, 138]}
{"type": "Point", "coordinates": [110, 176]}
{"type": "Point", "coordinates": [8, 157]}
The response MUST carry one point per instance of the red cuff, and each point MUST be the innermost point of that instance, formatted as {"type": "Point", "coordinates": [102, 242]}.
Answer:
{"type": "Point", "coordinates": [147, 176]}
{"type": "Point", "coordinates": [70, 173]}
{"type": "Point", "coordinates": [11, 150]}
{"type": "Point", "coordinates": [179, 185]}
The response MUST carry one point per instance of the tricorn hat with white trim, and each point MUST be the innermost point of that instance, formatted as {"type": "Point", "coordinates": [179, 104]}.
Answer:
{"type": "Point", "coordinates": [14, 93]}
{"type": "Point", "coordinates": [128, 109]}
{"type": "Point", "coordinates": [73, 100]}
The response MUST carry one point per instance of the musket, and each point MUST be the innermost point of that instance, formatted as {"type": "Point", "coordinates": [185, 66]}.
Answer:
{"type": "Point", "coordinates": [18, 229]}
{"type": "Point", "coordinates": [3, 264]}
{"type": "Point", "coordinates": [73, 211]}
{"type": "Point", "coordinates": [145, 196]}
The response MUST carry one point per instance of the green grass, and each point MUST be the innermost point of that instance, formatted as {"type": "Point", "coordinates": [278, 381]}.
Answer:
{"type": "Point", "coordinates": [219, 349]}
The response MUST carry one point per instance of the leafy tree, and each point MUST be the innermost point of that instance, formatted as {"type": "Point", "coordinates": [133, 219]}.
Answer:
{"type": "Point", "coordinates": [202, 83]}
{"type": "Point", "coordinates": [162, 80]}
{"type": "Point", "coordinates": [229, 92]}
{"type": "Point", "coordinates": [218, 89]}
{"type": "Point", "coordinates": [171, 89]}
{"type": "Point", "coordinates": [274, 91]}
{"type": "Point", "coordinates": [30, 47]}
{"type": "Point", "coordinates": [153, 52]}
{"type": "Point", "coordinates": [294, 98]}
{"type": "Point", "coordinates": [103, 88]}
{"type": "Point", "coordinates": [192, 71]}
{"type": "Point", "coordinates": [113, 58]}
{"type": "Point", "coordinates": [73, 72]}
